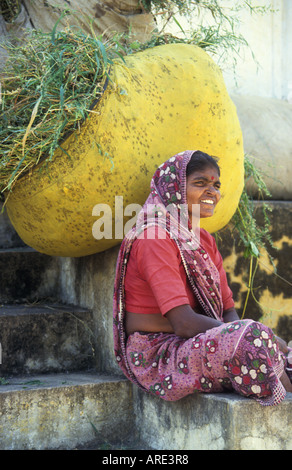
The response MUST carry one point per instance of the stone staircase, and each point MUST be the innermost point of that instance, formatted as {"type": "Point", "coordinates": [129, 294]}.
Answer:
{"type": "Point", "coordinates": [60, 387]}
{"type": "Point", "coordinates": [51, 393]}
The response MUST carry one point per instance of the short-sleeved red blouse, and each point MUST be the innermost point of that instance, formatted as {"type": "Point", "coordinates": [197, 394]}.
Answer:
{"type": "Point", "coordinates": [156, 280]}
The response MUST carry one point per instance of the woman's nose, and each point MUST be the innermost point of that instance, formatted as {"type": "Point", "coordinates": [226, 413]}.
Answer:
{"type": "Point", "coordinates": [211, 189]}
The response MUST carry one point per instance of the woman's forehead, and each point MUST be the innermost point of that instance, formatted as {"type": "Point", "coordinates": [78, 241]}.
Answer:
{"type": "Point", "coordinates": [208, 172]}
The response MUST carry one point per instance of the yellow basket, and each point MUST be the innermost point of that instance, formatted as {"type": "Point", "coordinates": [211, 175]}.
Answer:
{"type": "Point", "coordinates": [160, 102]}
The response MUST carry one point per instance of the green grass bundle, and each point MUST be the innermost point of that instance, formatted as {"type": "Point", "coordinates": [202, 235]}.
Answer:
{"type": "Point", "coordinates": [52, 80]}
{"type": "Point", "coordinates": [48, 86]}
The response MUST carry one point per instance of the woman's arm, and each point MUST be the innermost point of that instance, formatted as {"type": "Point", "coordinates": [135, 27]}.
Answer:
{"type": "Point", "coordinates": [187, 323]}
{"type": "Point", "coordinates": [230, 315]}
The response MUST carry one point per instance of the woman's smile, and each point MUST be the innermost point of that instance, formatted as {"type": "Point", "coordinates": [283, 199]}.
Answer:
{"type": "Point", "coordinates": [203, 188]}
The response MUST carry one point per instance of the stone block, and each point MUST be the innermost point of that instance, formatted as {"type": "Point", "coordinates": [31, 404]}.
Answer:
{"type": "Point", "coordinates": [26, 275]}
{"type": "Point", "coordinates": [63, 411]}
{"type": "Point", "coordinates": [41, 339]}
{"type": "Point", "coordinates": [213, 422]}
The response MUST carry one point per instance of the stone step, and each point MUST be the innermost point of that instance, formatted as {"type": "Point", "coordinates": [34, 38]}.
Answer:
{"type": "Point", "coordinates": [222, 421]}
{"type": "Point", "coordinates": [64, 411]}
{"type": "Point", "coordinates": [27, 275]}
{"type": "Point", "coordinates": [92, 411]}
{"type": "Point", "coordinates": [45, 338]}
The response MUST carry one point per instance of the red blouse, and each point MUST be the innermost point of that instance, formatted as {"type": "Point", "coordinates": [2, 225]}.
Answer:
{"type": "Point", "coordinates": [156, 280]}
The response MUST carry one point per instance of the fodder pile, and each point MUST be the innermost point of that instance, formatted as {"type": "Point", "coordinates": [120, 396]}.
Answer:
{"type": "Point", "coordinates": [50, 84]}
{"type": "Point", "coordinates": [48, 87]}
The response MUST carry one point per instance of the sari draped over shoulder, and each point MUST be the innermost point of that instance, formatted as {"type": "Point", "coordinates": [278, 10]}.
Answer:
{"type": "Point", "coordinates": [241, 356]}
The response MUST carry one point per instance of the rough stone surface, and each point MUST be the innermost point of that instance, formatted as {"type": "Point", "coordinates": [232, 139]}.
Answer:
{"type": "Point", "coordinates": [27, 275]}
{"type": "Point", "coordinates": [40, 339]}
{"type": "Point", "coordinates": [64, 410]}
{"type": "Point", "coordinates": [88, 281]}
{"type": "Point", "coordinates": [213, 422]}
{"type": "Point", "coordinates": [266, 126]}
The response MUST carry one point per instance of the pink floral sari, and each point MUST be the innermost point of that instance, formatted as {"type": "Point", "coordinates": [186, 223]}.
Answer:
{"type": "Point", "coordinates": [242, 356]}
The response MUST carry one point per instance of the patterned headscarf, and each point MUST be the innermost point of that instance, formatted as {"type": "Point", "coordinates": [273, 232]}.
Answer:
{"type": "Point", "coordinates": [168, 191]}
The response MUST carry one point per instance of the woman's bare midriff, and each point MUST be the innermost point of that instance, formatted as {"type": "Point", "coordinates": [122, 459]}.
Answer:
{"type": "Point", "coordinates": [148, 322]}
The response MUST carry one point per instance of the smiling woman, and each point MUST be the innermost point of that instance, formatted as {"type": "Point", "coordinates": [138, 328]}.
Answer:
{"type": "Point", "coordinates": [203, 184]}
{"type": "Point", "coordinates": [176, 330]}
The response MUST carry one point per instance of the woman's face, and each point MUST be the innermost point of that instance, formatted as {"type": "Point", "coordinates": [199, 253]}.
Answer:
{"type": "Point", "coordinates": [203, 188]}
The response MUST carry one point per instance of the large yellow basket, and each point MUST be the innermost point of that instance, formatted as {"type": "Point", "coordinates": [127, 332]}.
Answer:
{"type": "Point", "coordinates": [158, 103]}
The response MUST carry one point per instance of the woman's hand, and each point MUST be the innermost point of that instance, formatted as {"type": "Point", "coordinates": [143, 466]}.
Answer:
{"type": "Point", "coordinates": [187, 323]}
{"type": "Point", "coordinates": [282, 345]}
{"type": "Point", "coordinates": [230, 315]}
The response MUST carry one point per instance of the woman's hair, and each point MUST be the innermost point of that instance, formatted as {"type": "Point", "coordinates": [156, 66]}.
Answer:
{"type": "Point", "coordinates": [199, 161]}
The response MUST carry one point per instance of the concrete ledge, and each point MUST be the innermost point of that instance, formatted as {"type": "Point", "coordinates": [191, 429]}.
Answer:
{"type": "Point", "coordinates": [56, 411]}
{"type": "Point", "coordinates": [213, 422]}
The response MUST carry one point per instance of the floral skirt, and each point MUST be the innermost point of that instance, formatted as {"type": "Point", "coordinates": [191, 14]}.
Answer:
{"type": "Point", "coordinates": [242, 356]}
